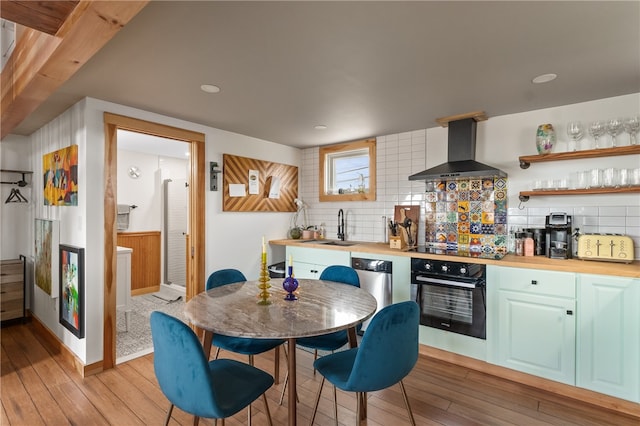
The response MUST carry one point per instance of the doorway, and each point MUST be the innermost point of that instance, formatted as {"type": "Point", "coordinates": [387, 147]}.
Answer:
{"type": "Point", "coordinates": [194, 259]}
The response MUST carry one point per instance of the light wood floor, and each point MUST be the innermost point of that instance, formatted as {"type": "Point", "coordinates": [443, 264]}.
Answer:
{"type": "Point", "coordinates": [39, 388]}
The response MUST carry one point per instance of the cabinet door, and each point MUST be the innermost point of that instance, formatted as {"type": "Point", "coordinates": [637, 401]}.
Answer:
{"type": "Point", "coordinates": [308, 263]}
{"type": "Point", "coordinates": [304, 270]}
{"type": "Point", "coordinates": [536, 335]}
{"type": "Point", "coordinates": [609, 335]}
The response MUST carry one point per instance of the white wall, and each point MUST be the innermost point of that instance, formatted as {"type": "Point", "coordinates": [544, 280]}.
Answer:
{"type": "Point", "coordinates": [500, 141]}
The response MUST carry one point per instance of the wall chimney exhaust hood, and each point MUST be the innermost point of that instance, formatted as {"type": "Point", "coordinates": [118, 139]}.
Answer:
{"type": "Point", "coordinates": [461, 151]}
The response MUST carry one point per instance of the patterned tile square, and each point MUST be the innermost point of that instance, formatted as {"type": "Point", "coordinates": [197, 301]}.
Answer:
{"type": "Point", "coordinates": [486, 229]}
{"type": "Point", "coordinates": [486, 195]}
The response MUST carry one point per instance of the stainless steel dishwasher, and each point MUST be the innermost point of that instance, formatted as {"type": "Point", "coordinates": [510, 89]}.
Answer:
{"type": "Point", "coordinates": [375, 277]}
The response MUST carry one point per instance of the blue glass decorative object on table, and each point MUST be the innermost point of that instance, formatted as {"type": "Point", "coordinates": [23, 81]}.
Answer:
{"type": "Point", "coordinates": [290, 285]}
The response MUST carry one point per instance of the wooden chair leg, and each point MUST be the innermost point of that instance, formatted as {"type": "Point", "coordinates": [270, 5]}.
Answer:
{"type": "Point", "coordinates": [315, 356]}
{"type": "Point", "coordinates": [315, 406]}
{"type": "Point", "coordinates": [363, 397]}
{"type": "Point", "coordinates": [276, 365]}
{"type": "Point", "coordinates": [284, 388]}
{"type": "Point", "coordinates": [335, 405]}
{"type": "Point", "coordinates": [358, 408]}
{"type": "Point", "coordinates": [196, 420]}
{"type": "Point", "coordinates": [249, 406]}
{"type": "Point", "coordinates": [166, 420]}
{"type": "Point", "coordinates": [406, 403]}
{"type": "Point", "coordinates": [266, 408]}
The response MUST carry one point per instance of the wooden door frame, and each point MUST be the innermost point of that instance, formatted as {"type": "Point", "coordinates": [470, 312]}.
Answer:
{"type": "Point", "coordinates": [195, 265]}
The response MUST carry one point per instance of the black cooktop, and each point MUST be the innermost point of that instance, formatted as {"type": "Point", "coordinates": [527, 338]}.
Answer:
{"type": "Point", "coordinates": [457, 252]}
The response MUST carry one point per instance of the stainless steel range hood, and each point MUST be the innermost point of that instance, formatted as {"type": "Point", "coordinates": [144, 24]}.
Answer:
{"type": "Point", "coordinates": [461, 152]}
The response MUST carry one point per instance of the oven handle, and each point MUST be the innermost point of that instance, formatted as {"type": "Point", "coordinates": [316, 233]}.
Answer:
{"type": "Point", "coordinates": [447, 282]}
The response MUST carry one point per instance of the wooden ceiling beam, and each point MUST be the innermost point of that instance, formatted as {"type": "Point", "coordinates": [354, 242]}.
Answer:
{"type": "Point", "coordinates": [43, 16]}
{"type": "Point", "coordinates": [41, 63]}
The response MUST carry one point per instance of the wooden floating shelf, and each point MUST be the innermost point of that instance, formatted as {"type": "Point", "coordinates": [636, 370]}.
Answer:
{"type": "Point", "coordinates": [526, 160]}
{"type": "Point", "coordinates": [524, 195]}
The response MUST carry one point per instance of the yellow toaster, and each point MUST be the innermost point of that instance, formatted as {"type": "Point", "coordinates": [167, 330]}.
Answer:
{"type": "Point", "coordinates": [605, 247]}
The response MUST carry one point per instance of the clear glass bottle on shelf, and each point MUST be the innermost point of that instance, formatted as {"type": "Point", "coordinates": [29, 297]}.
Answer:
{"type": "Point", "coordinates": [519, 244]}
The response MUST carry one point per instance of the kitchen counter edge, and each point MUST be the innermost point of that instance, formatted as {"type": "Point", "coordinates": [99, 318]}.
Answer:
{"type": "Point", "coordinates": [536, 262]}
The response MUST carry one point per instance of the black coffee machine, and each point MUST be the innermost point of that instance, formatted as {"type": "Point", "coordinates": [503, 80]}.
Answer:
{"type": "Point", "coordinates": [558, 236]}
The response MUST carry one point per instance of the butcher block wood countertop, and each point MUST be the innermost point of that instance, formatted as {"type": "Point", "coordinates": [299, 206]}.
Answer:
{"type": "Point", "coordinates": [536, 262]}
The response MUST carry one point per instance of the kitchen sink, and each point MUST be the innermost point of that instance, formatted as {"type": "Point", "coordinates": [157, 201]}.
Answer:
{"type": "Point", "coordinates": [329, 242]}
{"type": "Point", "coordinates": [337, 243]}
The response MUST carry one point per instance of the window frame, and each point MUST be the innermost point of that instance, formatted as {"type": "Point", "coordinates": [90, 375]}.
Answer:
{"type": "Point", "coordinates": [342, 148]}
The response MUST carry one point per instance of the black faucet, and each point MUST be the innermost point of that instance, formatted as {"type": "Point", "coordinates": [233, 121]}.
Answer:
{"type": "Point", "coordinates": [341, 225]}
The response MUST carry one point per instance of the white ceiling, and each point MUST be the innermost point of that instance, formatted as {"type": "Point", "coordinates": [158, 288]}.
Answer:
{"type": "Point", "coordinates": [361, 68]}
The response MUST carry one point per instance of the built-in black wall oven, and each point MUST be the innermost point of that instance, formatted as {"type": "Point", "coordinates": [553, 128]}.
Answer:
{"type": "Point", "coordinates": [451, 295]}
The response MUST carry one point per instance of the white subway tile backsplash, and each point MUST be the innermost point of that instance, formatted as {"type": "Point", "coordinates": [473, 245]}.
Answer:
{"type": "Point", "coordinates": [611, 229]}
{"type": "Point", "coordinates": [610, 221]}
{"type": "Point", "coordinates": [585, 211]}
{"type": "Point", "coordinates": [538, 211]}
{"type": "Point", "coordinates": [633, 210]}
{"type": "Point", "coordinates": [518, 220]}
{"type": "Point", "coordinates": [612, 211]}
{"type": "Point", "coordinates": [590, 221]}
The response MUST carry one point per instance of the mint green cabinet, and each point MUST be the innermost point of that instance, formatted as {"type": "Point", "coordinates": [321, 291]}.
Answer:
{"type": "Point", "coordinates": [609, 335]}
{"type": "Point", "coordinates": [308, 263]}
{"type": "Point", "coordinates": [531, 321]}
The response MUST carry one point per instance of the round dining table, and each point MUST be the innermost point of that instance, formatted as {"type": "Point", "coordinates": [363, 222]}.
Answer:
{"type": "Point", "coordinates": [321, 307]}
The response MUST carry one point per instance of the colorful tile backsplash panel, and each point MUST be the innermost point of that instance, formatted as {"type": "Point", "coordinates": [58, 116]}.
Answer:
{"type": "Point", "coordinates": [467, 215]}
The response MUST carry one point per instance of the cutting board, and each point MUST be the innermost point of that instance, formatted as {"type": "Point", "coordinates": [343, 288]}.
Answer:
{"type": "Point", "coordinates": [413, 213]}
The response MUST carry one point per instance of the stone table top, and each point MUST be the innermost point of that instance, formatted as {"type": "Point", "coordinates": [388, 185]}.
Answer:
{"type": "Point", "coordinates": [322, 307]}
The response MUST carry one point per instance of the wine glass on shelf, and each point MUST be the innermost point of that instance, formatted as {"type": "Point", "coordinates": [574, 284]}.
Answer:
{"type": "Point", "coordinates": [631, 125]}
{"type": "Point", "coordinates": [575, 130]}
{"type": "Point", "coordinates": [614, 127]}
{"type": "Point", "coordinates": [596, 129]}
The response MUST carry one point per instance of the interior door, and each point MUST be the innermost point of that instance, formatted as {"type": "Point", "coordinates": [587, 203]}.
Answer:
{"type": "Point", "coordinates": [177, 228]}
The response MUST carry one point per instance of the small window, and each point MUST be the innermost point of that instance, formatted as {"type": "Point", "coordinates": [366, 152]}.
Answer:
{"type": "Point", "coordinates": [348, 171]}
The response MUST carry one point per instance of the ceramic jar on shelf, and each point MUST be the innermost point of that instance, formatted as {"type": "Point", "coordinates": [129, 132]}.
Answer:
{"type": "Point", "coordinates": [545, 138]}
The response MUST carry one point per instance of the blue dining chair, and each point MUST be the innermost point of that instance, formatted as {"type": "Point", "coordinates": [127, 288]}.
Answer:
{"type": "Point", "coordinates": [213, 389]}
{"type": "Point", "coordinates": [332, 341]}
{"type": "Point", "coordinates": [241, 345]}
{"type": "Point", "coordinates": [387, 354]}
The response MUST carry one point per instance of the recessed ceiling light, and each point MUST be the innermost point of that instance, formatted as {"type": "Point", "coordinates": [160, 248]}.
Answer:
{"type": "Point", "coordinates": [320, 127]}
{"type": "Point", "coordinates": [210, 88]}
{"type": "Point", "coordinates": [544, 78]}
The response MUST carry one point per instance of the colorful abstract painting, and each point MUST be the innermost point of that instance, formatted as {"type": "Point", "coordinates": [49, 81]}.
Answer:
{"type": "Point", "coordinates": [72, 289]}
{"type": "Point", "coordinates": [60, 177]}
{"type": "Point", "coordinates": [47, 234]}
